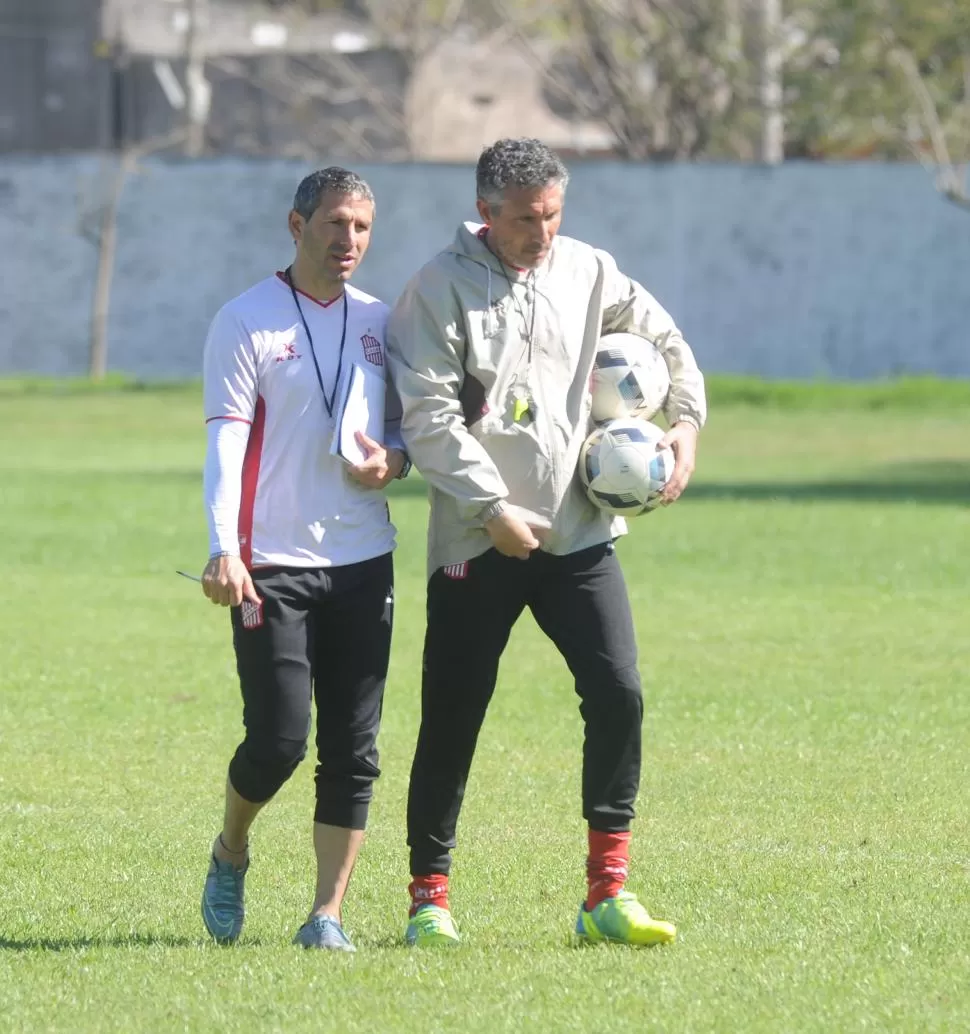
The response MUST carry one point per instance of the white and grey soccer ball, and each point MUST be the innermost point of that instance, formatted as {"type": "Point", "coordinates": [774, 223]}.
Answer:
{"type": "Point", "coordinates": [630, 378]}
{"type": "Point", "coordinates": [621, 469]}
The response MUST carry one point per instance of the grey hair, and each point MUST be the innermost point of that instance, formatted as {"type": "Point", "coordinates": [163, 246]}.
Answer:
{"type": "Point", "coordinates": [522, 162]}
{"type": "Point", "coordinates": [334, 179]}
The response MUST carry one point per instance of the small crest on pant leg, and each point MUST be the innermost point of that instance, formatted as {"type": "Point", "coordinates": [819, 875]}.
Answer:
{"type": "Point", "coordinates": [456, 572]}
{"type": "Point", "coordinates": [252, 614]}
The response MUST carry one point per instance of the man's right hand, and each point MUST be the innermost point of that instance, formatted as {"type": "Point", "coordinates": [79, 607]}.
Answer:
{"type": "Point", "coordinates": [511, 537]}
{"type": "Point", "coordinates": [226, 582]}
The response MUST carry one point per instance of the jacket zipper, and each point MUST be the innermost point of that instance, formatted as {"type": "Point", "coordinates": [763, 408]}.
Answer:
{"type": "Point", "coordinates": [535, 378]}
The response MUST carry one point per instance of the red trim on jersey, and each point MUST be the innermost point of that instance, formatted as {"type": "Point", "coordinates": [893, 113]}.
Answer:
{"type": "Point", "coordinates": [240, 419]}
{"type": "Point", "coordinates": [250, 478]}
{"type": "Point", "coordinates": [482, 234]}
{"type": "Point", "coordinates": [323, 305]}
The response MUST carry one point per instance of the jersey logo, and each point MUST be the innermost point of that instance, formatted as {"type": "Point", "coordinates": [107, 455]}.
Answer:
{"type": "Point", "coordinates": [289, 352]}
{"type": "Point", "coordinates": [456, 572]}
{"type": "Point", "coordinates": [252, 614]}
{"type": "Point", "coordinates": [373, 352]}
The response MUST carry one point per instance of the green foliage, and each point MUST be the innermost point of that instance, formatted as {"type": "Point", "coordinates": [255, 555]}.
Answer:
{"type": "Point", "coordinates": [802, 623]}
{"type": "Point", "coordinates": [862, 78]}
{"type": "Point", "coordinates": [849, 90]}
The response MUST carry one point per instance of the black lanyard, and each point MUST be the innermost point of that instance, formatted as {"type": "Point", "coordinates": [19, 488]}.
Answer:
{"type": "Point", "coordinates": [530, 323]}
{"type": "Point", "coordinates": [328, 402]}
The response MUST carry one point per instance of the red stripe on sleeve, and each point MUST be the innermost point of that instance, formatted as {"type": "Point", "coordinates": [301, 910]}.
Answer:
{"type": "Point", "coordinates": [250, 479]}
{"type": "Point", "coordinates": [238, 419]}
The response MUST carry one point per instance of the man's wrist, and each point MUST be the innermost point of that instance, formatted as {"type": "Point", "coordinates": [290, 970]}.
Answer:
{"type": "Point", "coordinates": [492, 511]}
{"type": "Point", "coordinates": [224, 552]}
{"type": "Point", "coordinates": [405, 465]}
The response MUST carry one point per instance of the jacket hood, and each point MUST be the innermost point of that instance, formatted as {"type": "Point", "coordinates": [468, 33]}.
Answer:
{"type": "Point", "coordinates": [468, 244]}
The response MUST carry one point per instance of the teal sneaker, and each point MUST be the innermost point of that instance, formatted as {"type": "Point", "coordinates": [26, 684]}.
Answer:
{"type": "Point", "coordinates": [223, 910]}
{"type": "Point", "coordinates": [323, 932]}
{"type": "Point", "coordinates": [622, 920]}
{"type": "Point", "coordinates": [431, 926]}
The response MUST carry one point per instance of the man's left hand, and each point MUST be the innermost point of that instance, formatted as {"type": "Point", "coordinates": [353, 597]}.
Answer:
{"type": "Point", "coordinates": [380, 466]}
{"type": "Point", "coordinates": [682, 438]}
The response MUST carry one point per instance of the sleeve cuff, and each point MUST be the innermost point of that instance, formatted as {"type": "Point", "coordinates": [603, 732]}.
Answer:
{"type": "Point", "coordinates": [491, 511]}
{"type": "Point", "coordinates": [685, 418]}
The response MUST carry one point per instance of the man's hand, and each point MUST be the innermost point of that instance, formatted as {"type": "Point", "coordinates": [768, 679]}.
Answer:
{"type": "Point", "coordinates": [682, 438]}
{"type": "Point", "coordinates": [226, 582]}
{"type": "Point", "coordinates": [381, 465]}
{"type": "Point", "coordinates": [510, 536]}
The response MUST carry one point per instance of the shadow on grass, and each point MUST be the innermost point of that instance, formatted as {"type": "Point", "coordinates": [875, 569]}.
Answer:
{"type": "Point", "coordinates": [930, 482]}
{"type": "Point", "coordinates": [386, 942]}
{"type": "Point", "coordinates": [930, 494]}
{"type": "Point", "coordinates": [132, 940]}
{"type": "Point", "coordinates": [926, 481]}
{"type": "Point", "coordinates": [917, 481]}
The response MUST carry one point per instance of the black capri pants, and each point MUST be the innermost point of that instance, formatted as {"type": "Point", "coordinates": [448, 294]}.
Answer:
{"type": "Point", "coordinates": [321, 633]}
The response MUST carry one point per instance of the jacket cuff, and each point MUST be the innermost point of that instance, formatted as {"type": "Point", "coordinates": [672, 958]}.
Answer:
{"type": "Point", "coordinates": [684, 418]}
{"type": "Point", "coordinates": [492, 510]}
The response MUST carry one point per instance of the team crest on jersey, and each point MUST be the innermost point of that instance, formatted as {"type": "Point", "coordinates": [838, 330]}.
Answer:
{"type": "Point", "coordinates": [373, 352]}
{"type": "Point", "coordinates": [289, 352]}
{"type": "Point", "coordinates": [252, 614]}
{"type": "Point", "coordinates": [456, 572]}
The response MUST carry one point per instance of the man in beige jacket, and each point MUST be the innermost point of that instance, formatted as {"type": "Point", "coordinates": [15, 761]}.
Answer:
{"type": "Point", "coordinates": [491, 347]}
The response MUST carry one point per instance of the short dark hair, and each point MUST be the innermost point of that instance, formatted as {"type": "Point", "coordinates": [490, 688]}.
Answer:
{"type": "Point", "coordinates": [333, 178]}
{"type": "Point", "coordinates": [520, 162]}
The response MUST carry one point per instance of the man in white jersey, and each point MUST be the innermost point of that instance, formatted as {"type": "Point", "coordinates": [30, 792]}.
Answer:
{"type": "Point", "coordinates": [301, 545]}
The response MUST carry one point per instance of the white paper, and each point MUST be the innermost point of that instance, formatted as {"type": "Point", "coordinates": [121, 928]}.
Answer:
{"type": "Point", "coordinates": [361, 408]}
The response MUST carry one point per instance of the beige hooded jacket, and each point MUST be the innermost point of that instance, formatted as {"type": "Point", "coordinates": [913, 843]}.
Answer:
{"type": "Point", "coordinates": [493, 368]}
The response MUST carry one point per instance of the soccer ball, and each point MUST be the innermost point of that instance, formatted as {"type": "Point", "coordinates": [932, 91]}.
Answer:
{"type": "Point", "coordinates": [621, 469]}
{"type": "Point", "coordinates": [630, 378]}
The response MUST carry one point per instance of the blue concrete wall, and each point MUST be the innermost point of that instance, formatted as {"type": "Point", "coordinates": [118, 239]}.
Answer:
{"type": "Point", "coordinates": [850, 271]}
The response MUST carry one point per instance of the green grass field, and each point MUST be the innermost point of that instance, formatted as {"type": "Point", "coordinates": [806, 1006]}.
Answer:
{"type": "Point", "coordinates": [804, 625]}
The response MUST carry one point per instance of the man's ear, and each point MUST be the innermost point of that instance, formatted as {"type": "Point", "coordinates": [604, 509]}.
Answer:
{"type": "Point", "coordinates": [484, 210]}
{"type": "Point", "coordinates": [296, 223]}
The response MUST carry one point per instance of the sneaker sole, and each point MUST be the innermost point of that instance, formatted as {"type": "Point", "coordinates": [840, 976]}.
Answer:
{"type": "Point", "coordinates": [662, 933]}
{"type": "Point", "coordinates": [432, 941]}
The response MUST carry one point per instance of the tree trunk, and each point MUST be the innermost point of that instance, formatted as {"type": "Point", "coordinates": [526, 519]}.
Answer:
{"type": "Point", "coordinates": [772, 114]}
{"type": "Point", "coordinates": [196, 87]}
{"type": "Point", "coordinates": [107, 239]}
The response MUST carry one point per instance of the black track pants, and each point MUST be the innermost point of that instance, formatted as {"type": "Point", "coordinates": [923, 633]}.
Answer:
{"type": "Point", "coordinates": [580, 601]}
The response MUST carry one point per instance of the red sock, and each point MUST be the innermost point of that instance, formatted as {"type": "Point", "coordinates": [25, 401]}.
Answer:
{"type": "Point", "coordinates": [428, 890]}
{"type": "Point", "coordinates": [606, 865]}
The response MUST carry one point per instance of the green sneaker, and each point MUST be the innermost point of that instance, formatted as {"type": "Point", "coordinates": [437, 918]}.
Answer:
{"type": "Point", "coordinates": [431, 926]}
{"type": "Point", "coordinates": [623, 920]}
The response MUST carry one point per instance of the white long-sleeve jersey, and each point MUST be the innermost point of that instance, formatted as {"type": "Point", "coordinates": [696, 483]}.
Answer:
{"type": "Point", "coordinates": [273, 491]}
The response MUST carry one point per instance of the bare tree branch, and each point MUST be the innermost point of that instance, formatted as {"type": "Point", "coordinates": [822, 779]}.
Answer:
{"type": "Point", "coordinates": [527, 43]}
{"type": "Point", "coordinates": [950, 181]}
